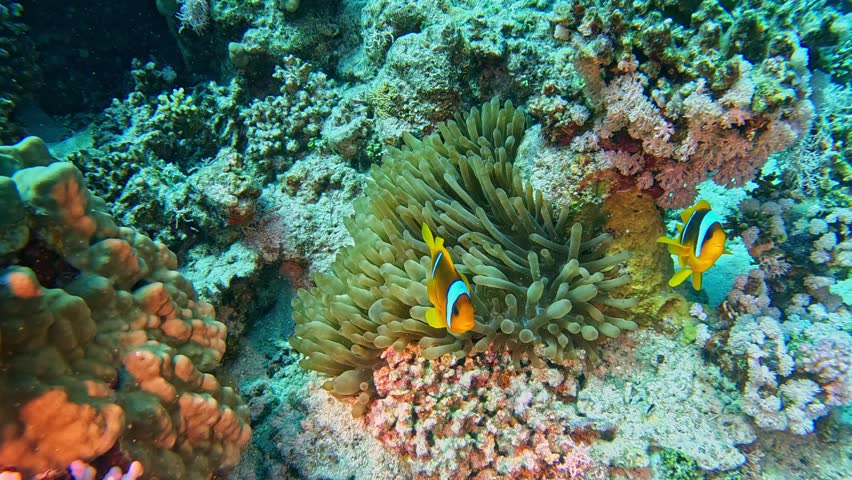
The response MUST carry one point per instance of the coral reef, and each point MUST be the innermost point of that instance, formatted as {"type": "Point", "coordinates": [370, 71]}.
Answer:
{"type": "Point", "coordinates": [794, 368]}
{"type": "Point", "coordinates": [666, 103]}
{"type": "Point", "coordinates": [195, 162]}
{"type": "Point", "coordinates": [103, 344]}
{"type": "Point", "coordinates": [482, 417]}
{"type": "Point", "coordinates": [306, 432]}
{"type": "Point", "coordinates": [801, 247]}
{"type": "Point", "coordinates": [286, 122]}
{"type": "Point", "coordinates": [256, 140]}
{"type": "Point", "coordinates": [19, 74]}
{"type": "Point", "coordinates": [539, 288]}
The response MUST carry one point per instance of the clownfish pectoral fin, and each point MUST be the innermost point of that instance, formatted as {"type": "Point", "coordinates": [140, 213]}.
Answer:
{"type": "Point", "coordinates": [433, 319]}
{"type": "Point", "coordinates": [675, 247]}
{"type": "Point", "coordinates": [696, 280]}
{"type": "Point", "coordinates": [667, 241]}
{"type": "Point", "coordinates": [680, 276]}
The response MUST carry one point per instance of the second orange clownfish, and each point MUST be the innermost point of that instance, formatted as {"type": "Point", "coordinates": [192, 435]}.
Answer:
{"type": "Point", "coordinates": [701, 243]}
{"type": "Point", "coordinates": [449, 290]}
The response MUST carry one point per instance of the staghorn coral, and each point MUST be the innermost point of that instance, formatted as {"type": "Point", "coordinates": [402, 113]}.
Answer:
{"type": "Point", "coordinates": [104, 346]}
{"type": "Point", "coordinates": [539, 288]}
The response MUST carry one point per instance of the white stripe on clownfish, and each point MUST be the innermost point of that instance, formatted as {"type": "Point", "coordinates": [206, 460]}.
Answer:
{"type": "Point", "coordinates": [456, 290]}
{"type": "Point", "coordinates": [437, 261]}
{"type": "Point", "coordinates": [710, 219]}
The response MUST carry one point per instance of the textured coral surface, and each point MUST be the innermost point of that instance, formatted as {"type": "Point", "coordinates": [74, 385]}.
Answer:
{"type": "Point", "coordinates": [104, 346]}
{"type": "Point", "coordinates": [258, 139]}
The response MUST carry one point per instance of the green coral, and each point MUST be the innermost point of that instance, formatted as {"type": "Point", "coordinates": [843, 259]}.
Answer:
{"type": "Point", "coordinates": [540, 287]}
{"type": "Point", "coordinates": [674, 465]}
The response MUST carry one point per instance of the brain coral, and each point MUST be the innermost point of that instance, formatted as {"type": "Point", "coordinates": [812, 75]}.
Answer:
{"type": "Point", "coordinates": [540, 286]}
{"type": "Point", "coordinates": [104, 346]}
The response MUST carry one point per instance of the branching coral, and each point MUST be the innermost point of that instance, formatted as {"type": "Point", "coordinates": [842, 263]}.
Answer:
{"type": "Point", "coordinates": [539, 287]}
{"type": "Point", "coordinates": [792, 372]}
{"type": "Point", "coordinates": [814, 236]}
{"type": "Point", "coordinates": [282, 124]}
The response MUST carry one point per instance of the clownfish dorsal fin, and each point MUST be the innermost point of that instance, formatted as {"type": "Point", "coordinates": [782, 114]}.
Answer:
{"type": "Point", "coordinates": [428, 237]}
{"type": "Point", "coordinates": [439, 243]}
{"type": "Point", "coordinates": [687, 214]}
{"type": "Point", "coordinates": [702, 205]}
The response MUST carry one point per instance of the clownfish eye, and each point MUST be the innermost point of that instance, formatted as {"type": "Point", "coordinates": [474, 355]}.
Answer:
{"type": "Point", "coordinates": [455, 310]}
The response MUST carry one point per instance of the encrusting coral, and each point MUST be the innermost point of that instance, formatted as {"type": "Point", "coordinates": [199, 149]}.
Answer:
{"type": "Point", "coordinates": [104, 346]}
{"type": "Point", "coordinates": [540, 289]}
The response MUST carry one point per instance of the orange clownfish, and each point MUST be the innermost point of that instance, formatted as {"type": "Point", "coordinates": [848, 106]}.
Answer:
{"type": "Point", "coordinates": [701, 243]}
{"type": "Point", "coordinates": [449, 290]}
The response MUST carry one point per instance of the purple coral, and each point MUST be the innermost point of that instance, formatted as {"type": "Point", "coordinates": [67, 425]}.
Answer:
{"type": "Point", "coordinates": [829, 357]}
{"type": "Point", "coordinates": [750, 295]}
{"type": "Point", "coordinates": [796, 371]}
